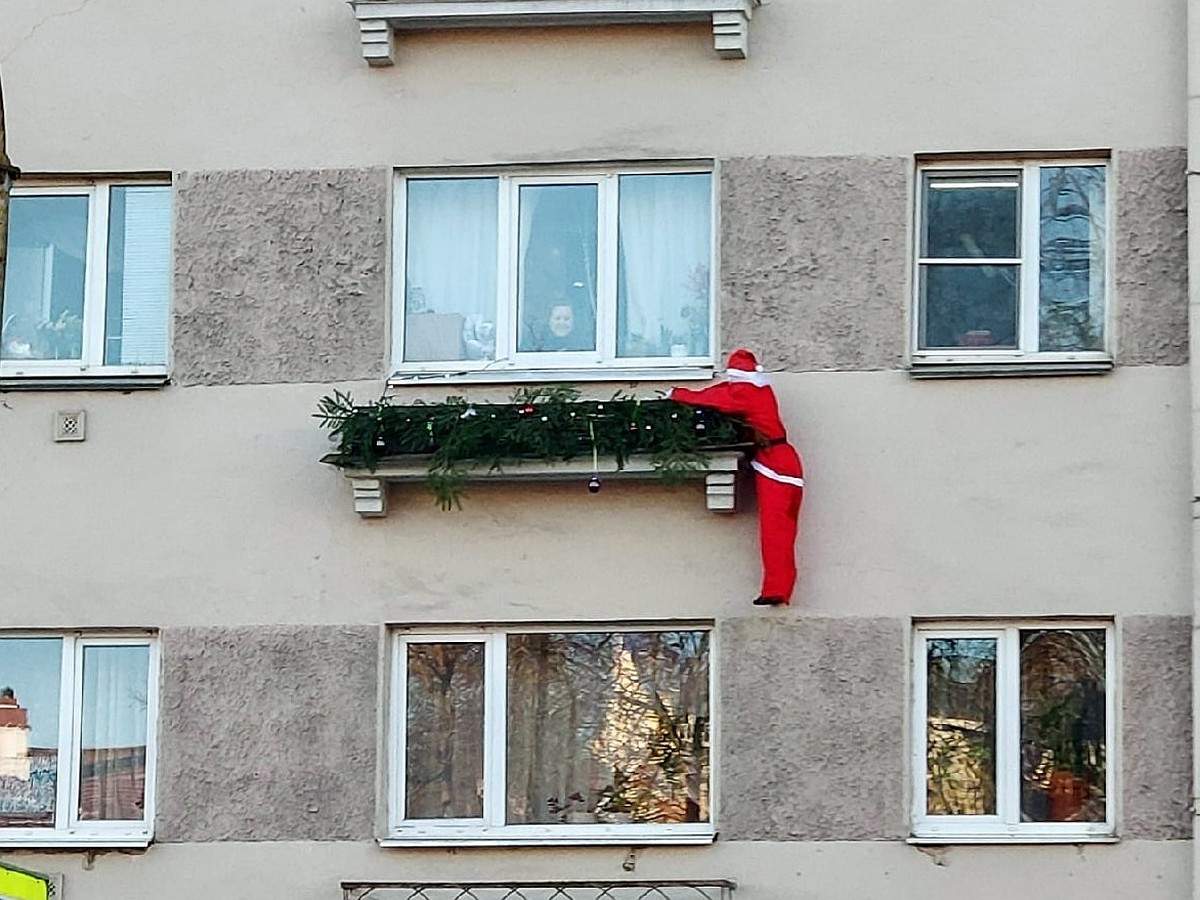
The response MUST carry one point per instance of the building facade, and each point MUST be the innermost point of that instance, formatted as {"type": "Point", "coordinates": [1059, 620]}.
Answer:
{"type": "Point", "coordinates": [957, 239]}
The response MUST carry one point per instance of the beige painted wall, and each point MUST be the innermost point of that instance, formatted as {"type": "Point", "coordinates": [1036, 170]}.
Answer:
{"type": "Point", "coordinates": [1157, 870]}
{"type": "Point", "coordinates": [278, 83]}
{"type": "Point", "coordinates": [208, 506]}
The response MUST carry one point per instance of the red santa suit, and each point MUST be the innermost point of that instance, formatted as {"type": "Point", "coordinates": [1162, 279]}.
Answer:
{"type": "Point", "coordinates": [779, 474]}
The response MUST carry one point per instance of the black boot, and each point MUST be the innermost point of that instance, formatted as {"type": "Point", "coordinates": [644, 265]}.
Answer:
{"type": "Point", "coordinates": [763, 600]}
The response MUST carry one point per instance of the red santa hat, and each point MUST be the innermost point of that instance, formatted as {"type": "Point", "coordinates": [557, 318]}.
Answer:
{"type": "Point", "coordinates": [742, 366]}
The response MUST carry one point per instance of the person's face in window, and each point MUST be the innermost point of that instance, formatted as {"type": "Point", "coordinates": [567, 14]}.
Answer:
{"type": "Point", "coordinates": [562, 320]}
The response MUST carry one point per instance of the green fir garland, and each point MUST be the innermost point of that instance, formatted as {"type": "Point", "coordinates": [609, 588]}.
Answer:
{"type": "Point", "coordinates": [548, 423]}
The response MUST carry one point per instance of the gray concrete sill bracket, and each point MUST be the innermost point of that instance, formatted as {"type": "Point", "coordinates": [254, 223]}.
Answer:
{"type": "Point", "coordinates": [370, 495]}
{"type": "Point", "coordinates": [379, 20]}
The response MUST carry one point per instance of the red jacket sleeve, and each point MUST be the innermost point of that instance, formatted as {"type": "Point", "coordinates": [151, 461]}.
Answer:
{"type": "Point", "coordinates": [719, 397]}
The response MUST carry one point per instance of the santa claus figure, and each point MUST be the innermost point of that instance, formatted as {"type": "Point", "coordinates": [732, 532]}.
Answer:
{"type": "Point", "coordinates": [779, 474]}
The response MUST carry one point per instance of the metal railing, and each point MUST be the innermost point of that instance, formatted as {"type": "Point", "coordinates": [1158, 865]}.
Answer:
{"type": "Point", "coordinates": [710, 889]}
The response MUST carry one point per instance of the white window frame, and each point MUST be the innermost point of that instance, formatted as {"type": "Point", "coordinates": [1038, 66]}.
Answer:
{"type": "Point", "coordinates": [1027, 172]}
{"type": "Point", "coordinates": [599, 365]}
{"type": "Point", "coordinates": [1006, 824]}
{"type": "Point", "coordinates": [491, 829]}
{"type": "Point", "coordinates": [95, 291]}
{"type": "Point", "coordinates": [69, 830]}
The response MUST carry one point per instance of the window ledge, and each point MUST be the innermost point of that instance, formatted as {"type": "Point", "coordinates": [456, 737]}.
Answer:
{"type": "Point", "coordinates": [123, 382]}
{"type": "Point", "coordinates": [542, 376]}
{"type": "Point", "coordinates": [944, 839]}
{"type": "Point", "coordinates": [948, 367]}
{"type": "Point", "coordinates": [370, 486]}
{"type": "Point", "coordinates": [378, 20]}
{"type": "Point", "coordinates": [550, 838]}
{"type": "Point", "coordinates": [74, 842]}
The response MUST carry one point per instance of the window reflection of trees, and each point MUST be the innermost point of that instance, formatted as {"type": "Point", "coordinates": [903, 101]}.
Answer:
{"type": "Point", "coordinates": [1072, 238]}
{"type": "Point", "coordinates": [608, 727]}
{"type": "Point", "coordinates": [1063, 725]}
{"type": "Point", "coordinates": [961, 727]}
{"type": "Point", "coordinates": [444, 758]}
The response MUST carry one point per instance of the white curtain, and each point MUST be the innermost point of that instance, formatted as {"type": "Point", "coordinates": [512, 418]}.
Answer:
{"type": "Point", "coordinates": [112, 775]}
{"type": "Point", "coordinates": [665, 231]}
{"type": "Point", "coordinates": [450, 268]}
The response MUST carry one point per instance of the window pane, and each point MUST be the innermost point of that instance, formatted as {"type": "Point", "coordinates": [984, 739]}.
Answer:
{"type": "Point", "coordinates": [556, 268]}
{"type": "Point", "coordinates": [960, 775]}
{"type": "Point", "coordinates": [971, 217]}
{"type": "Point", "coordinates": [1072, 242]}
{"type": "Point", "coordinates": [450, 269]}
{"type": "Point", "coordinates": [44, 287]}
{"type": "Point", "coordinates": [112, 777]}
{"type": "Point", "coordinates": [969, 306]}
{"type": "Point", "coordinates": [608, 727]}
{"type": "Point", "coordinates": [444, 732]}
{"type": "Point", "coordinates": [665, 238]}
{"type": "Point", "coordinates": [1063, 726]}
{"type": "Point", "coordinates": [30, 693]}
{"type": "Point", "coordinates": [139, 275]}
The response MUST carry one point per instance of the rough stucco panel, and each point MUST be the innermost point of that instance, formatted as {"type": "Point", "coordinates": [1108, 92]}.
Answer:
{"type": "Point", "coordinates": [268, 734]}
{"type": "Point", "coordinates": [814, 261]}
{"type": "Point", "coordinates": [1156, 740]}
{"type": "Point", "coordinates": [812, 729]}
{"type": "Point", "coordinates": [1151, 257]}
{"type": "Point", "coordinates": [279, 276]}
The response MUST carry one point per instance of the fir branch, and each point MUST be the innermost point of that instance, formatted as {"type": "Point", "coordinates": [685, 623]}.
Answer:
{"type": "Point", "coordinates": [546, 422]}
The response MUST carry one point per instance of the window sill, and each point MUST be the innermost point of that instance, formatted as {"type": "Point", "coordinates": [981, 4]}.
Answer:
{"type": "Point", "coordinates": [999, 839]}
{"type": "Point", "coordinates": [68, 841]}
{"type": "Point", "coordinates": [595, 836]}
{"type": "Point", "coordinates": [378, 20]}
{"type": "Point", "coordinates": [982, 366]}
{"type": "Point", "coordinates": [106, 381]}
{"type": "Point", "coordinates": [550, 376]}
{"type": "Point", "coordinates": [370, 485]}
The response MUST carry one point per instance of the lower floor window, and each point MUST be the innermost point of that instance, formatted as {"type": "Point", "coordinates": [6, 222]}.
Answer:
{"type": "Point", "coordinates": [539, 733]}
{"type": "Point", "coordinates": [76, 726]}
{"type": "Point", "coordinates": [1013, 729]}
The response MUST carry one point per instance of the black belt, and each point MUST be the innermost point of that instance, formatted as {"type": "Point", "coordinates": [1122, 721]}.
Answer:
{"type": "Point", "coordinates": [770, 442]}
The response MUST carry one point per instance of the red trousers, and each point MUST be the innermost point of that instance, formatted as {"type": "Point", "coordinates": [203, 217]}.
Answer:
{"type": "Point", "coordinates": [778, 515]}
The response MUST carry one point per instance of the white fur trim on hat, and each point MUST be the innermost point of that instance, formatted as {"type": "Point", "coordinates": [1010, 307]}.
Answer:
{"type": "Point", "coordinates": [758, 378]}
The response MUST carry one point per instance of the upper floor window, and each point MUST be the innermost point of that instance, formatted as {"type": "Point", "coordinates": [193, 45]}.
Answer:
{"type": "Point", "coordinates": [1013, 732]}
{"type": "Point", "coordinates": [76, 739]}
{"type": "Point", "coordinates": [1012, 263]}
{"type": "Point", "coordinates": [560, 736]}
{"type": "Point", "coordinates": [581, 271]}
{"type": "Point", "coordinates": [88, 280]}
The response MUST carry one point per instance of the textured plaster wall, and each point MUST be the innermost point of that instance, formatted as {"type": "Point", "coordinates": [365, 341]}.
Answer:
{"type": "Point", "coordinates": [1156, 747]}
{"type": "Point", "coordinates": [812, 729]}
{"type": "Point", "coordinates": [285, 85]}
{"type": "Point", "coordinates": [814, 260]}
{"type": "Point", "coordinates": [828, 870]}
{"type": "Point", "coordinates": [1151, 257]}
{"type": "Point", "coordinates": [994, 497]}
{"type": "Point", "coordinates": [267, 734]}
{"type": "Point", "coordinates": [280, 275]}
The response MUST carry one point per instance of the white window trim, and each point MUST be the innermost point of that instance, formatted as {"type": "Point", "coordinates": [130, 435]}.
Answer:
{"type": "Point", "coordinates": [490, 830]}
{"type": "Point", "coordinates": [601, 365]}
{"type": "Point", "coordinates": [1005, 826]}
{"type": "Point", "coordinates": [95, 299]}
{"type": "Point", "coordinates": [74, 832]}
{"type": "Point", "coordinates": [947, 362]}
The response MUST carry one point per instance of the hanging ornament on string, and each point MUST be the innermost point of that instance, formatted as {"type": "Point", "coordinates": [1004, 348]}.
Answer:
{"type": "Point", "coordinates": [594, 481]}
